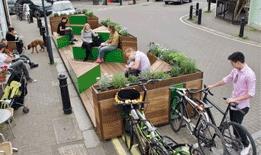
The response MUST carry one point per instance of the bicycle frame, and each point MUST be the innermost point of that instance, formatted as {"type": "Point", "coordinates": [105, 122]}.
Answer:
{"type": "Point", "coordinates": [192, 128]}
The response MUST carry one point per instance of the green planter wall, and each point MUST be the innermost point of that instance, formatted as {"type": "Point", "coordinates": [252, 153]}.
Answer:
{"type": "Point", "coordinates": [76, 29]}
{"type": "Point", "coordinates": [112, 56]}
{"type": "Point", "coordinates": [62, 41]}
{"type": "Point", "coordinates": [78, 19]}
{"type": "Point", "coordinates": [104, 36]}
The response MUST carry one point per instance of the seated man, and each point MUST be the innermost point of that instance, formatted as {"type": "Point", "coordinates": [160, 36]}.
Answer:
{"type": "Point", "coordinates": [10, 53]}
{"type": "Point", "coordinates": [12, 35]}
{"type": "Point", "coordinates": [138, 62]}
{"type": "Point", "coordinates": [17, 66]}
{"type": "Point", "coordinates": [63, 30]}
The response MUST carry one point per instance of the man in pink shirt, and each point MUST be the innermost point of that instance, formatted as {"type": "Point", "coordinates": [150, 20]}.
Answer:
{"type": "Point", "coordinates": [244, 85]}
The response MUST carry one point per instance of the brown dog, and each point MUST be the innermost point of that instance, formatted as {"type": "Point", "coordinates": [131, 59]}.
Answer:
{"type": "Point", "coordinates": [34, 45]}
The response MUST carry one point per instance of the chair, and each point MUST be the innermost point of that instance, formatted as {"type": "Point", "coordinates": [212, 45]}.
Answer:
{"type": "Point", "coordinates": [12, 44]}
{"type": "Point", "coordinates": [6, 147]}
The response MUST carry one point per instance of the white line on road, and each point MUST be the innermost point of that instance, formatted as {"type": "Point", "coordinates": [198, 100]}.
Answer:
{"type": "Point", "coordinates": [218, 33]}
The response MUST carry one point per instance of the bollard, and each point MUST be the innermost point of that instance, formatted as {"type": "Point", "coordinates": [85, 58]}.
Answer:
{"type": "Point", "coordinates": [197, 7]}
{"type": "Point", "coordinates": [105, 2]}
{"type": "Point", "coordinates": [134, 1]}
{"type": "Point", "coordinates": [199, 16]}
{"type": "Point", "coordinates": [120, 2]}
{"type": "Point", "coordinates": [67, 109]}
{"type": "Point", "coordinates": [242, 27]}
{"type": "Point", "coordinates": [190, 12]}
{"type": "Point", "coordinates": [209, 5]}
{"type": "Point", "coordinates": [39, 22]}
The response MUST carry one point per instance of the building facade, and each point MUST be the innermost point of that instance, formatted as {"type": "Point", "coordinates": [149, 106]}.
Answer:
{"type": "Point", "coordinates": [4, 18]}
{"type": "Point", "coordinates": [255, 14]}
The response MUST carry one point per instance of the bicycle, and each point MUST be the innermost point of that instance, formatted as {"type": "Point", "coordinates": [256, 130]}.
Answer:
{"type": "Point", "coordinates": [230, 130]}
{"type": "Point", "coordinates": [149, 140]}
{"type": "Point", "coordinates": [205, 132]}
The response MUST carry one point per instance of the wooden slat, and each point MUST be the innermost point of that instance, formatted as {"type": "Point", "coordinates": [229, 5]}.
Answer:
{"type": "Point", "coordinates": [89, 107]}
{"type": "Point", "coordinates": [160, 65]}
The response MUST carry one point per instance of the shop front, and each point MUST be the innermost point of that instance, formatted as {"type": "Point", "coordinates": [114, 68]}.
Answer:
{"type": "Point", "coordinates": [3, 18]}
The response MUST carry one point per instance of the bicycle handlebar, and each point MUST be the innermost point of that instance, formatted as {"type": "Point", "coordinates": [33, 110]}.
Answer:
{"type": "Point", "coordinates": [234, 105]}
{"type": "Point", "coordinates": [205, 90]}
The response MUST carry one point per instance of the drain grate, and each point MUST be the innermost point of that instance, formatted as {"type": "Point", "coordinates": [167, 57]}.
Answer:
{"type": "Point", "coordinates": [66, 130]}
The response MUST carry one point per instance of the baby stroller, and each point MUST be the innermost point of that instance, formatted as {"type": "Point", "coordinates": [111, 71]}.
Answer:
{"type": "Point", "coordinates": [15, 91]}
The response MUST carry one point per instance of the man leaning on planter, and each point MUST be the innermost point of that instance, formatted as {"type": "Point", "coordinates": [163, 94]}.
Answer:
{"type": "Point", "coordinates": [137, 62]}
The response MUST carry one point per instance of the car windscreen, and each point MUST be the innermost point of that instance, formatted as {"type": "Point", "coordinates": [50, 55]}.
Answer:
{"type": "Point", "coordinates": [62, 6]}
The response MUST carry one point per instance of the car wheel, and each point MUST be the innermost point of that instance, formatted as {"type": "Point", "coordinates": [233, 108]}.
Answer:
{"type": "Point", "coordinates": [166, 2]}
{"type": "Point", "coordinates": [181, 1]}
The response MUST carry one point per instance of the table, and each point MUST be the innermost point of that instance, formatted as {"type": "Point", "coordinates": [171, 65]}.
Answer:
{"type": "Point", "coordinates": [4, 115]}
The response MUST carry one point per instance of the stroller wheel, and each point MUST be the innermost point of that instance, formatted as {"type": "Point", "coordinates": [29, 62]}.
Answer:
{"type": "Point", "coordinates": [25, 110]}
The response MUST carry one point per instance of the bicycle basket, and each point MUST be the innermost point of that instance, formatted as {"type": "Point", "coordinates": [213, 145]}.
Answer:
{"type": "Point", "coordinates": [128, 96]}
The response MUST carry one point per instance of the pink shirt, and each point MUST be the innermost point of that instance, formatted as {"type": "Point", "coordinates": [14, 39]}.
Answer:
{"type": "Point", "coordinates": [244, 82]}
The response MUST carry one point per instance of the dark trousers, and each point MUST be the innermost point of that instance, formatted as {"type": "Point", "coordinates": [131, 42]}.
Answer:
{"type": "Point", "coordinates": [237, 116]}
{"type": "Point", "coordinates": [88, 48]}
{"type": "Point", "coordinates": [134, 72]}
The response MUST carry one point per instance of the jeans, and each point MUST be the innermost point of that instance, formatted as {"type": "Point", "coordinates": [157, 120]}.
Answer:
{"type": "Point", "coordinates": [19, 67]}
{"type": "Point", "coordinates": [237, 116]}
{"type": "Point", "coordinates": [104, 49]}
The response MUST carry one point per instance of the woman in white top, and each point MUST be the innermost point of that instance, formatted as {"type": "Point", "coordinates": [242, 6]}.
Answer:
{"type": "Point", "coordinates": [87, 35]}
{"type": "Point", "coordinates": [141, 62]}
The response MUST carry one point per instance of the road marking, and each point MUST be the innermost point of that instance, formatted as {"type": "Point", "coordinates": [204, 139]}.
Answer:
{"type": "Point", "coordinates": [118, 147]}
{"type": "Point", "coordinates": [218, 33]}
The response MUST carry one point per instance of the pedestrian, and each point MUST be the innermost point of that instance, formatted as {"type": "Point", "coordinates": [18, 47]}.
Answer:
{"type": "Point", "coordinates": [138, 62]}
{"type": "Point", "coordinates": [109, 45]}
{"type": "Point", "coordinates": [243, 79]}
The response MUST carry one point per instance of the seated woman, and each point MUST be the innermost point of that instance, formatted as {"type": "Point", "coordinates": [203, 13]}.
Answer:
{"type": "Point", "coordinates": [111, 44]}
{"type": "Point", "coordinates": [141, 62]}
{"type": "Point", "coordinates": [9, 52]}
{"type": "Point", "coordinates": [87, 36]}
{"type": "Point", "coordinates": [62, 29]}
{"type": "Point", "coordinates": [12, 35]}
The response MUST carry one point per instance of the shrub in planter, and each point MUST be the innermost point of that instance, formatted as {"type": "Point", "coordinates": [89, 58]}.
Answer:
{"type": "Point", "coordinates": [188, 66]}
{"type": "Point", "coordinates": [175, 71]}
{"type": "Point", "coordinates": [119, 80]}
{"type": "Point", "coordinates": [133, 79]}
{"type": "Point", "coordinates": [147, 75]}
{"type": "Point", "coordinates": [104, 82]}
{"type": "Point", "coordinates": [89, 13]}
{"type": "Point", "coordinates": [55, 14]}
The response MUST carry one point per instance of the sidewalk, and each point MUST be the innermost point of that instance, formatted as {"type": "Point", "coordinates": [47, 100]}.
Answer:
{"type": "Point", "coordinates": [213, 23]}
{"type": "Point", "coordinates": [45, 130]}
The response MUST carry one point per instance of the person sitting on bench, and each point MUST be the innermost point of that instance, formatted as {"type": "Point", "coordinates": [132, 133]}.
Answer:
{"type": "Point", "coordinates": [62, 29]}
{"type": "Point", "coordinates": [17, 65]}
{"type": "Point", "coordinates": [111, 44]}
{"type": "Point", "coordinates": [12, 35]}
{"type": "Point", "coordinates": [10, 53]}
{"type": "Point", "coordinates": [141, 62]}
{"type": "Point", "coordinates": [88, 41]}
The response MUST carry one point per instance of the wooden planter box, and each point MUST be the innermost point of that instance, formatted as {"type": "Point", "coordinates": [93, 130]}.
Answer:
{"type": "Point", "coordinates": [128, 41]}
{"type": "Point", "coordinates": [93, 21]}
{"type": "Point", "coordinates": [54, 21]}
{"type": "Point", "coordinates": [107, 116]}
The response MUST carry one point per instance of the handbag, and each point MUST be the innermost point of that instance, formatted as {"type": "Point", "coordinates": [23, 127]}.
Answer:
{"type": "Point", "coordinates": [96, 40]}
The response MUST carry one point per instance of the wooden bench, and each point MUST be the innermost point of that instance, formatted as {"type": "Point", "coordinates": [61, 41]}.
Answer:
{"type": "Point", "coordinates": [160, 65]}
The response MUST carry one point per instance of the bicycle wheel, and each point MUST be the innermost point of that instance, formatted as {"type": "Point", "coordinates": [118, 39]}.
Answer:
{"type": "Point", "coordinates": [210, 139]}
{"type": "Point", "coordinates": [234, 135]}
{"type": "Point", "coordinates": [158, 150]}
{"type": "Point", "coordinates": [176, 114]}
{"type": "Point", "coordinates": [139, 136]}
{"type": "Point", "coordinates": [127, 135]}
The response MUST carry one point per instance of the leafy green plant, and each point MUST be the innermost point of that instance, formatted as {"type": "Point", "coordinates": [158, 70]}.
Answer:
{"type": "Point", "coordinates": [146, 75]}
{"type": "Point", "coordinates": [84, 11]}
{"type": "Point", "coordinates": [188, 66]}
{"type": "Point", "coordinates": [123, 32]}
{"type": "Point", "coordinates": [89, 13]}
{"type": "Point", "coordinates": [133, 79]}
{"type": "Point", "coordinates": [159, 75]}
{"type": "Point", "coordinates": [105, 22]}
{"type": "Point", "coordinates": [175, 71]}
{"type": "Point", "coordinates": [104, 82]}
{"type": "Point", "coordinates": [119, 81]}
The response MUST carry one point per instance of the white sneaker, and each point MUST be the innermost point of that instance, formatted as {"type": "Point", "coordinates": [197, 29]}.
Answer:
{"type": "Point", "coordinates": [246, 150]}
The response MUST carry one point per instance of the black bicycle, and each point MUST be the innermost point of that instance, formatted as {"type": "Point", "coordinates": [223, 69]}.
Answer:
{"type": "Point", "coordinates": [232, 132]}
{"type": "Point", "coordinates": [208, 135]}
{"type": "Point", "coordinates": [140, 130]}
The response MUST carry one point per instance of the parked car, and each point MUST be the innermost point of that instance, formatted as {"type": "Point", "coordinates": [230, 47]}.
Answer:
{"type": "Point", "coordinates": [36, 7]}
{"type": "Point", "coordinates": [11, 6]}
{"type": "Point", "coordinates": [63, 7]}
{"type": "Point", "coordinates": [179, 1]}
